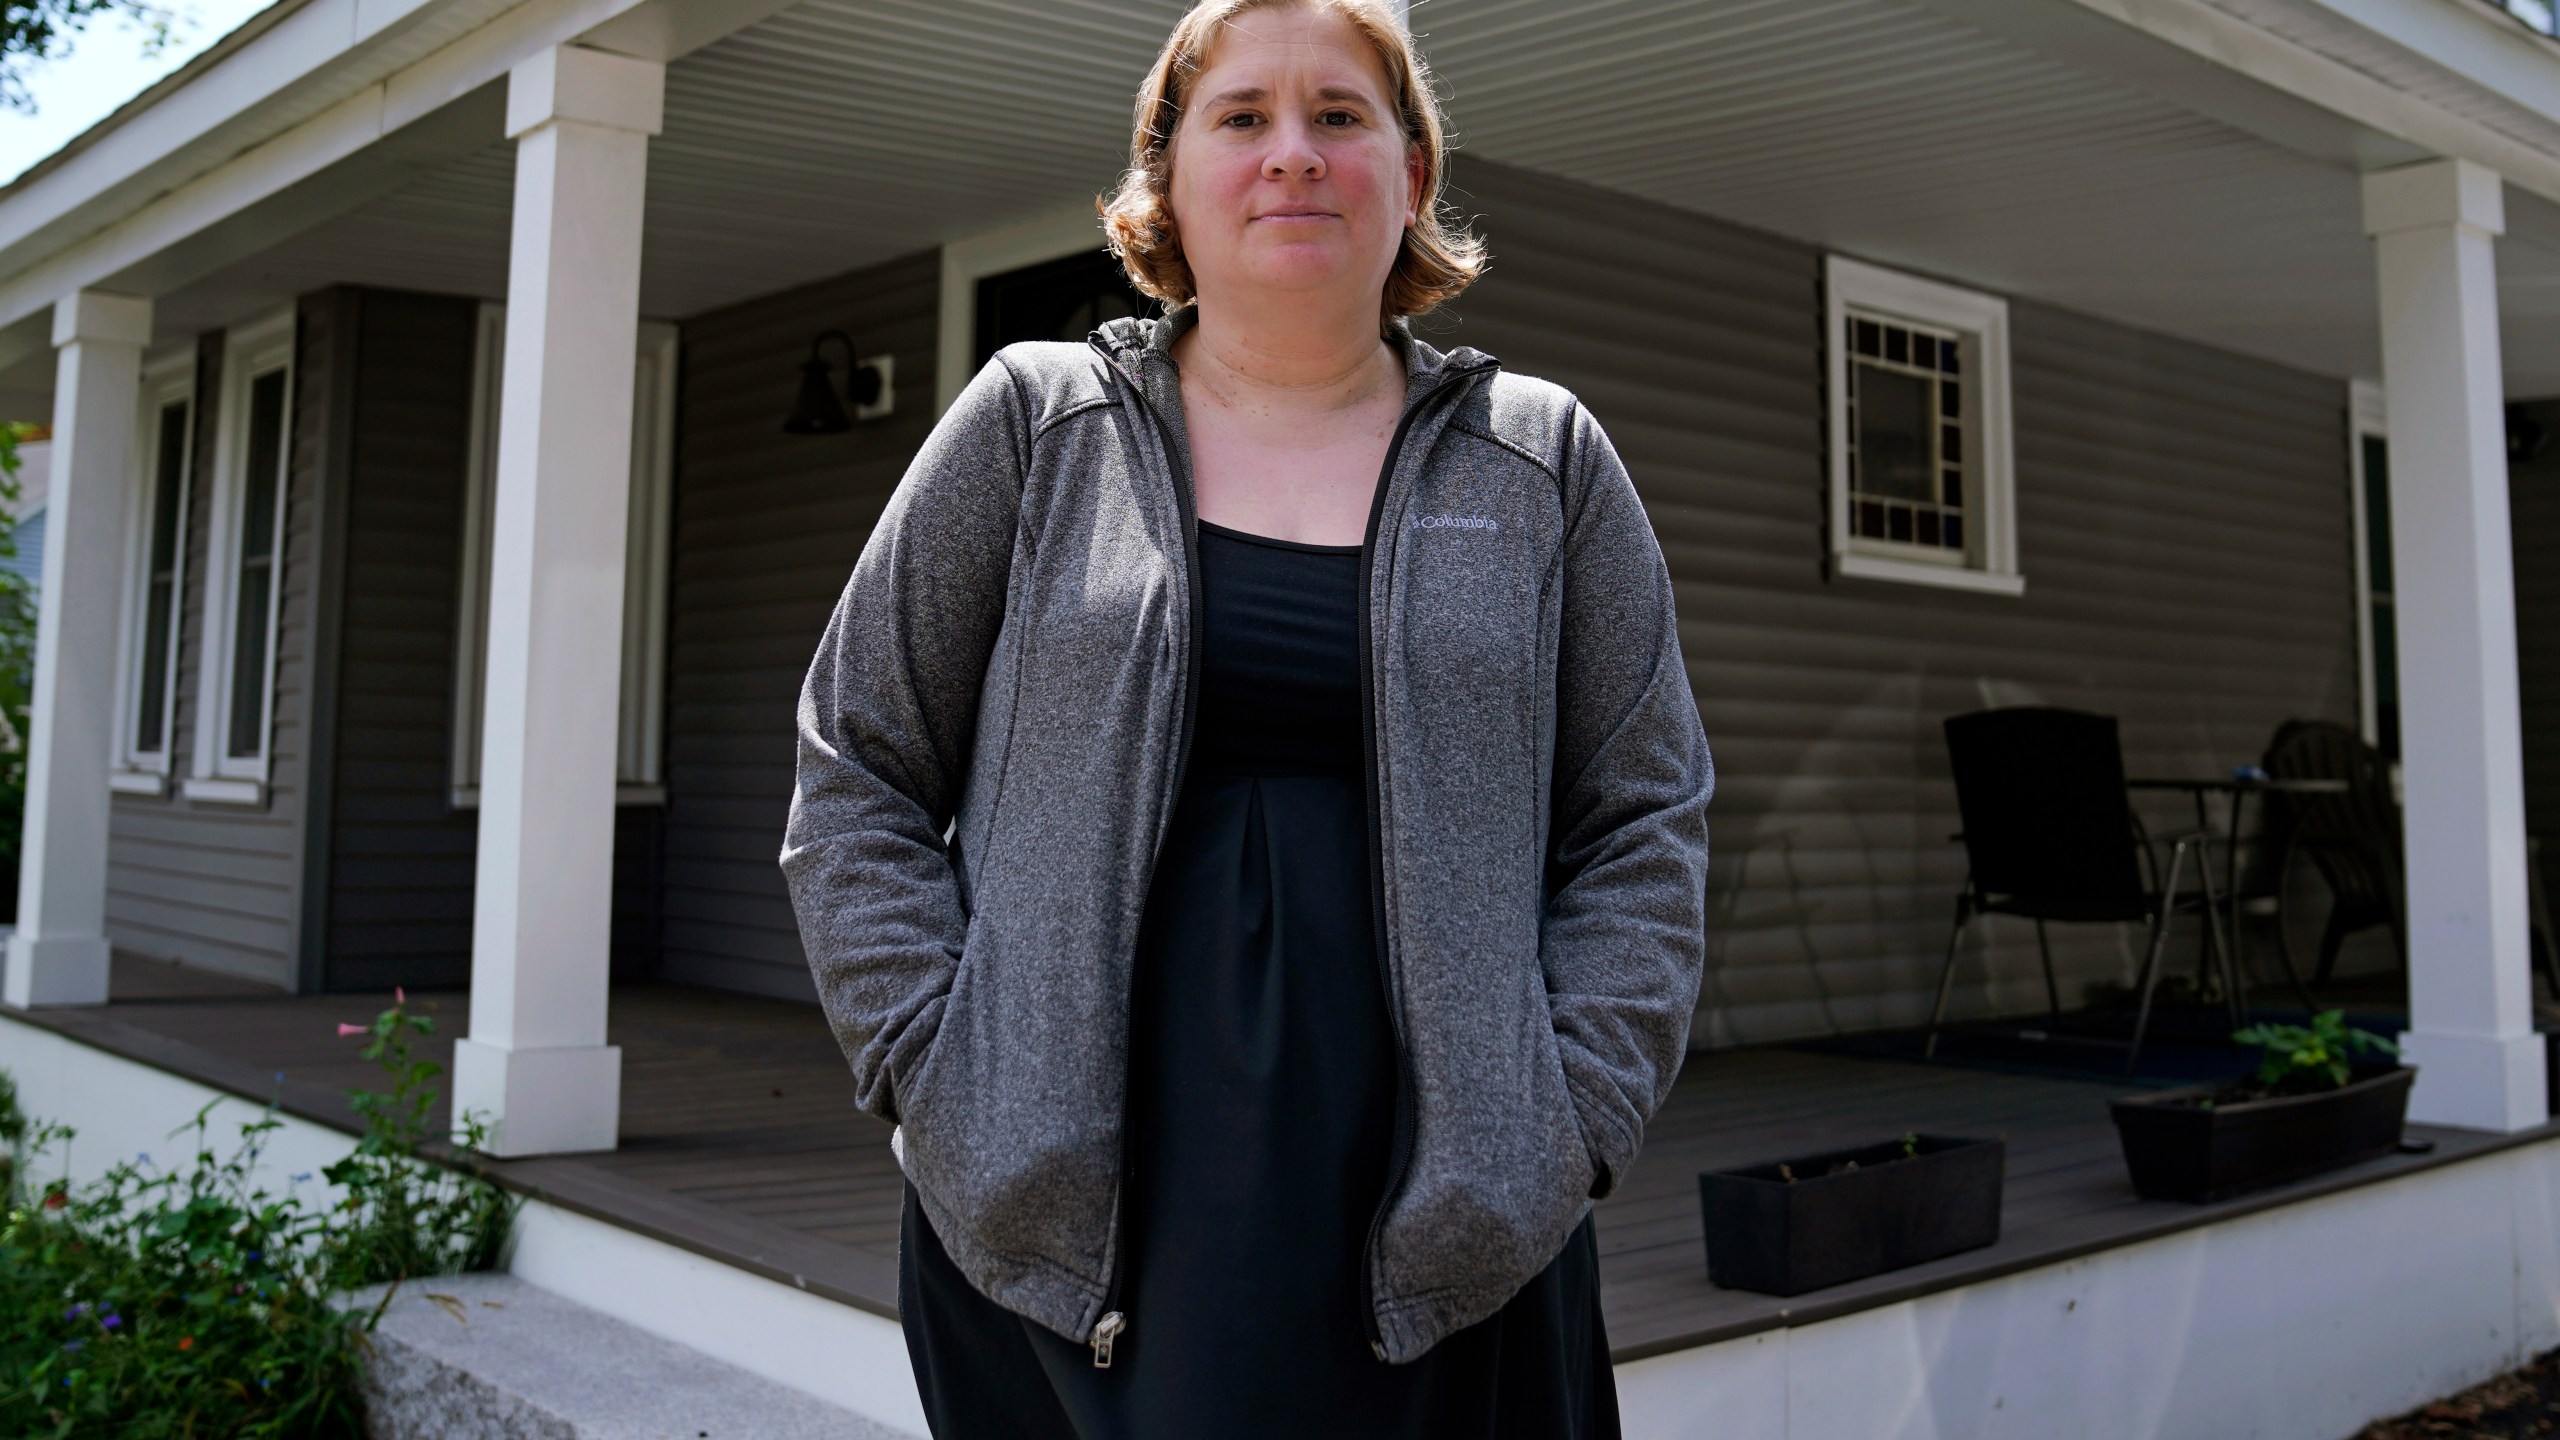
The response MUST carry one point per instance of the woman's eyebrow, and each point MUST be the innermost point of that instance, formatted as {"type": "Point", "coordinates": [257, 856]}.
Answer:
{"type": "Point", "coordinates": [1255, 95]}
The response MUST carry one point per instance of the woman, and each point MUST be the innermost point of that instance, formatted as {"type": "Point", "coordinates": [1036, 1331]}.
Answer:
{"type": "Point", "coordinates": [1250, 827]}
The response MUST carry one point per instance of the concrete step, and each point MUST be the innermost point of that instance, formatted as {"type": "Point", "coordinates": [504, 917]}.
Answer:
{"type": "Point", "coordinates": [489, 1357]}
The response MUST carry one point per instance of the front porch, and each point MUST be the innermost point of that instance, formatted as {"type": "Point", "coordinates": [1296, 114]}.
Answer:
{"type": "Point", "coordinates": [739, 1145]}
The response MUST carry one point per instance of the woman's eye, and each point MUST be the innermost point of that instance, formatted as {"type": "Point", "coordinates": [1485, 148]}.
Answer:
{"type": "Point", "coordinates": [1338, 118]}
{"type": "Point", "coordinates": [1239, 120]}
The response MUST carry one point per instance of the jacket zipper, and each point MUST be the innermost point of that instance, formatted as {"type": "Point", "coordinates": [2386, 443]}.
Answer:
{"type": "Point", "coordinates": [1400, 1143]}
{"type": "Point", "coordinates": [1115, 1322]}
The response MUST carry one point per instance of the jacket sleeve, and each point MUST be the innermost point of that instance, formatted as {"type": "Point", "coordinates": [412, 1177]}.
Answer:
{"type": "Point", "coordinates": [1623, 943]}
{"type": "Point", "coordinates": [886, 721]}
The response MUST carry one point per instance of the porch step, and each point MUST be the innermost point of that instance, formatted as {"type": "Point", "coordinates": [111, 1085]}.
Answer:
{"type": "Point", "coordinates": [497, 1359]}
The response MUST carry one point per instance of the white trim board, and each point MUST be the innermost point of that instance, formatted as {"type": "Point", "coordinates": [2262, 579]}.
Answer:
{"type": "Point", "coordinates": [168, 378]}
{"type": "Point", "coordinates": [250, 352]}
{"type": "Point", "coordinates": [1056, 234]}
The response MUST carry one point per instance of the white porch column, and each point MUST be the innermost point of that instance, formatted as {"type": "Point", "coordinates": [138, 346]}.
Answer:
{"type": "Point", "coordinates": [536, 1061]}
{"type": "Point", "coordinates": [2470, 994]}
{"type": "Point", "coordinates": [58, 954]}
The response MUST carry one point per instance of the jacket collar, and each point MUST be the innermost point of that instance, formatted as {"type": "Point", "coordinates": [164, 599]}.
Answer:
{"type": "Point", "coordinates": [1141, 348]}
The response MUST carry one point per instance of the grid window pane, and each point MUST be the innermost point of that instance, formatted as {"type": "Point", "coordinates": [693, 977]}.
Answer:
{"type": "Point", "coordinates": [1892, 435]}
{"type": "Point", "coordinates": [160, 588]}
{"type": "Point", "coordinates": [1905, 417]}
{"type": "Point", "coordinates": [249, 667]}
{"type": "Point", "coordinates": [262, 481]}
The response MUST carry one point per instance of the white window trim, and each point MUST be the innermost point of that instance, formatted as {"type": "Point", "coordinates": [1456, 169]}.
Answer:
{"type": "Point", "coordinates": [167, 377]}
{"type": "Point", "coordinates": [1068, 230]}
{"type": "Point", "coordinates": [1856, 284]}
{"type": "Point", "coordinates": [249, 351]}
{"type": "Point", "coordinates": [640, 739]}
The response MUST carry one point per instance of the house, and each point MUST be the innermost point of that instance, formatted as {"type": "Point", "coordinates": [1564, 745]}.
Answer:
{"type": "Point", "coordinates": [418, 372]}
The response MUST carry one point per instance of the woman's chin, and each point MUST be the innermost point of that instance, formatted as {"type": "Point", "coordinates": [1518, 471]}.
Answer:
{"type": "Point", "coordinates": [1303, 277]}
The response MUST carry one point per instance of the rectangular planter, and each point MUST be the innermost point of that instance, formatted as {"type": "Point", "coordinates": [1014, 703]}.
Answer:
{"type": "Point", "coordinates": [2178, 1151]}
{"type": "Point", "coordinates": [1782, 1237]}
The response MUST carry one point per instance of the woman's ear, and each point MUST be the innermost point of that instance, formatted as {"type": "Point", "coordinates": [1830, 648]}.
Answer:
{"type": "Point", "coordinates": [1414, 166]}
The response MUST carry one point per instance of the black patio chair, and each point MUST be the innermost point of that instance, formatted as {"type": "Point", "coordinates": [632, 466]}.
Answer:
{"type": "Point", "coordinates": [2050, 833]}
{"type": "Point", "coordinates": [2352, 837]}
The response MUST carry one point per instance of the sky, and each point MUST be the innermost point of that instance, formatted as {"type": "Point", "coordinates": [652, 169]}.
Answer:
{"type": "Point", "coordinates": [106, 67]}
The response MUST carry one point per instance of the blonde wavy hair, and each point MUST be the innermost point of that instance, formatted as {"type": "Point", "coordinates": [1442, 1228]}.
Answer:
{"type": "Point", "coordinates": [1438, 257]}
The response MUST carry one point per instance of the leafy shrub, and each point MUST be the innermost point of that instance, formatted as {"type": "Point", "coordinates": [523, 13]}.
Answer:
{"type": "Point", "coordinates": [170, 1304]}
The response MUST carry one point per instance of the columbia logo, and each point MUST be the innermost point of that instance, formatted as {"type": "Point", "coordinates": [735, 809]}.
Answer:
{"type": "Point", "coordinates": [1455, 522]}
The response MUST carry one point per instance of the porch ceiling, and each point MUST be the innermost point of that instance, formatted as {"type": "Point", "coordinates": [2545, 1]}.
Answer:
{"type": "Point", "coordinates": [1982, 140]}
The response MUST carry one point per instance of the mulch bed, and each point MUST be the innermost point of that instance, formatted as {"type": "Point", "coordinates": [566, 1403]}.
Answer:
{"type": "Point", "coordinates": [2516, 1405]}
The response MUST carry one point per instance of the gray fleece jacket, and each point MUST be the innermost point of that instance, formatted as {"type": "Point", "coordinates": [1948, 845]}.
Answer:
{"type": "Point", "coordinates": [993, 734]}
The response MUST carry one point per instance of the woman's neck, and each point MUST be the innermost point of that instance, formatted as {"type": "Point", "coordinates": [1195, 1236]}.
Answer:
{"type": "Point", "coordinates": [1310, 363]}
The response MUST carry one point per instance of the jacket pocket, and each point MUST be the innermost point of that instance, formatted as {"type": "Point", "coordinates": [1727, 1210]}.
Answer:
{"type": "Point", "coordinates": [1572, 1122]}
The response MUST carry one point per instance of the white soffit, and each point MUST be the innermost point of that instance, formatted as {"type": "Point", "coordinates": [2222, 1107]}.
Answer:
{"type": "Point", "coordinates": [840, 133]}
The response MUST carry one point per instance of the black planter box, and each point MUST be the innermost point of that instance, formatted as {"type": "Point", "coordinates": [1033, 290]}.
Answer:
{"type": "Point", "coordinates": [1778, 1237]}
{"type": "Point", "coordinates": [2182, 1152]}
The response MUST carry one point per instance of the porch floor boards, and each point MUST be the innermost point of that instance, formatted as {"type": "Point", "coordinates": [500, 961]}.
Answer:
{"type": "Point", "coordinates": [740, 1140]}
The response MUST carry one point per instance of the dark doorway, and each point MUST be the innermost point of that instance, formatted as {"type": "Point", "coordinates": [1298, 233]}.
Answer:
{"type": "Point", "coordinates": [1055, 300]}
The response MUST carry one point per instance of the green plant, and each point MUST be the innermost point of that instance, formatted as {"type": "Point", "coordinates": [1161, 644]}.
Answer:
{"type": "Point", "coordinates": [2319, 1056]}
{"type": "Point", "coordinates": [170, 1304]}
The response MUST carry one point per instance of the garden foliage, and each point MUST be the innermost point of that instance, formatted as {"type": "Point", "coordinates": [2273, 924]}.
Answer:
{"type": "Point", "coordinates": [2320, 1056]}
{"type": "Point", "coordinates": [188, 1300]}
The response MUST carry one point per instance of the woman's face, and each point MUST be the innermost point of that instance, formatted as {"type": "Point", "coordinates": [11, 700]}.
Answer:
{"type": "Point", "coordinates": [1291, 172]}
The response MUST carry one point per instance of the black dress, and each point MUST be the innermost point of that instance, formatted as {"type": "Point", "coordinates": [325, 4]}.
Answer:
{"type": "Point", "coordinates": [1262, 1089]}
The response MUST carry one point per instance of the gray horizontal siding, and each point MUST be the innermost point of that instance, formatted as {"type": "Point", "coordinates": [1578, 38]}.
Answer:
{"type": "Point", "coordinates": [400, 857]}
{"type": "Point", "coordinates": [2183, 526]}
{"type": "Point", "coordinates": [767, 526]}
{"type": "Point", "coordinates": [220, 885]}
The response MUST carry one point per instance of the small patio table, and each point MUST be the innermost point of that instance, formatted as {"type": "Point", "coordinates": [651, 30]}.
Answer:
{"type": "Point", "coordinates": [2239, 786]}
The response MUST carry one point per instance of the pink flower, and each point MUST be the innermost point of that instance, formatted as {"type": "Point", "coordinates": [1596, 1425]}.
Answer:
{"type": "Point", "coordinates": [346, 1029]}
{"type": "Point", "coordinates": [399, 996]}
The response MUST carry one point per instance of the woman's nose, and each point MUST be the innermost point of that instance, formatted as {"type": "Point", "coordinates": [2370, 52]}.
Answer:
{"type": "Point", "coordinates": [1293, 153]}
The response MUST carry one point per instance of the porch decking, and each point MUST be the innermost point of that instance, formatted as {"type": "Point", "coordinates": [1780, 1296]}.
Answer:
{"type": "Point", "coordinates": [740, 1142]}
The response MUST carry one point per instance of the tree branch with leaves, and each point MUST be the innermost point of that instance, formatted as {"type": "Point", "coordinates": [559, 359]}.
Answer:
{"type": "Point", "coordinates": [35, 31]}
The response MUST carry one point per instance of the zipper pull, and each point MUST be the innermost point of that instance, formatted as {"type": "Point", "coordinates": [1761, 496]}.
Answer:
{"type": "Point", "coordinates": [1104, 1332]}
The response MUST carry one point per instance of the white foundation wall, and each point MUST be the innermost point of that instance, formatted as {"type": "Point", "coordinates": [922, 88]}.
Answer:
{"type": "Point", "coordinates": [2298, 1323]}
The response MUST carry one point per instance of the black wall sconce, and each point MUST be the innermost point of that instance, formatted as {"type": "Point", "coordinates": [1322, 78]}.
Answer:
{"type": "Point", "coordinates": [867, 387]}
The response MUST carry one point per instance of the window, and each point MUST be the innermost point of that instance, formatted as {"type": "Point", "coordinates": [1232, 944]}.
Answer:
{"type": "Point", "coordinates": [637, 769]}
{"type": "Point", "coordinates": [148, 679]}
{"type": "Point", "coordinates": [2377, 639]}
{"type": "Point", "coordinates": [1921, 490]}
{"type": "Point", "coordinates": [243, 590]}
